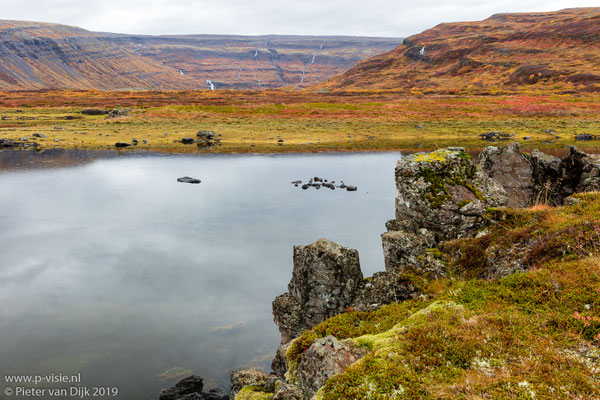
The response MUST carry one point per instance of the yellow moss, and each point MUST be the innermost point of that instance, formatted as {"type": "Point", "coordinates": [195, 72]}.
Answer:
{"type": "Point", "coordinates": [252, 393]}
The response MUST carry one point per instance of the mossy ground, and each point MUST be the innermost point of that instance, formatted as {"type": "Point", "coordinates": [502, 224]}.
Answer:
{"type": "Point", "coordinates": [253, 393]}
{"type": "Point", "coordinates": [254, 122]}
{"type": "Point", "coordinates": [517, 337]}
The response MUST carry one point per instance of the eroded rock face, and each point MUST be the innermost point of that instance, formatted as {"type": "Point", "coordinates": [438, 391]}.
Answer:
{"type": "Point", "coordinates": [325, 358]}
{"type": "Point", "coordinates": [324, 281]}
{"type": "Point", "coordinates": [511, 169]}
{"type": "Point", "coordinates": [444, 193]}
{"type": "Point", "coordinates": [439, 196]}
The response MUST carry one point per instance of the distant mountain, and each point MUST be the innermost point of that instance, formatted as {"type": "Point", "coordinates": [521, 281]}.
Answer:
{"type": "Point", "coordinates": [37, 55]}
{"type": "Point", "coordinates": [557, 51]}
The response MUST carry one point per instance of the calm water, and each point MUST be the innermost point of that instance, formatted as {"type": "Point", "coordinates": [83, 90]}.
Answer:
{"type": "Point", "coordinates": [111, 268]}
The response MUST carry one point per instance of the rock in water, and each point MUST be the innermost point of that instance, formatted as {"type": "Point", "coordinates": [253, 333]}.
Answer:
{"type": "Point", "coordinates": [183, 388]}
{"type": "Point", "coordinates": [324, 280]}
{"type": "Point", "coordinates": [511, 169]}
{"type": "Point", "coordinates": [187, 179]}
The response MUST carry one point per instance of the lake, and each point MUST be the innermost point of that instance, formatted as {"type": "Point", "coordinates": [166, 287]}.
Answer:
{"type": "Point", "coordinates": [111, 268]}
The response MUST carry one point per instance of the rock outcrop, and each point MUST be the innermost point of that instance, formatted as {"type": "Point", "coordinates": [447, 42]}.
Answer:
{"type": "Point", "coordinates": [324, 281]}
{"type": "Point", "coordinates": [443, 192]}
{"type": "Point", "coordinates": [439, 196]}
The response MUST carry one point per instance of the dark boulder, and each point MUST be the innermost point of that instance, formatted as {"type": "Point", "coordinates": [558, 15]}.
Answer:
{"type": "Point", "coordinates": [187, 179]}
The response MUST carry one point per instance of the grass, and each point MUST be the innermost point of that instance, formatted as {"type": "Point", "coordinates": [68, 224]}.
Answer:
{"type": "Point", "coordinates": [255, 122]}
{"type": "Point", "coordinates": [528, 335]}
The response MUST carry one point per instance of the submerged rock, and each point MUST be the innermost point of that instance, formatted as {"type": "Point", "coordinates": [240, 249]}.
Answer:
{"type": "Point", "coordinates": [324, 280]}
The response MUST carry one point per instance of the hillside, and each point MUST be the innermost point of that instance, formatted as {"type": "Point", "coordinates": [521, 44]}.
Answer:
{"type": "Point", "coordinates": [49, 56]}
{"type": "Point", "coordinates": [558, 51]}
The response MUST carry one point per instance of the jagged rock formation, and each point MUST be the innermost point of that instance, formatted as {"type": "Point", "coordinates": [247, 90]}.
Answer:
{"type": "Point", "coordinates": [323, 283]}
{"type": "Point", "coordinates": [327, 280]}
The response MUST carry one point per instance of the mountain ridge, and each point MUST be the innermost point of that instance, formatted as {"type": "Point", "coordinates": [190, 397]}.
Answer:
{"type": "Point", "coordinates": [38, 55]}
{"type": "Point", "coordinates": [556, 51]}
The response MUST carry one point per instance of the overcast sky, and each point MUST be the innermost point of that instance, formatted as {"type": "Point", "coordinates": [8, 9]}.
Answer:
{"type": "Point", "coordinates": [394, 18]}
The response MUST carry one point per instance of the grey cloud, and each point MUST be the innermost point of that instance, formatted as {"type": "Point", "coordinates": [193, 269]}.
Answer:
{"type": "Point", "coordinates": [335, 17]}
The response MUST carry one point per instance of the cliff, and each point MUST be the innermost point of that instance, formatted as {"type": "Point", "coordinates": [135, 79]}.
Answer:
{"type": "Point", "coordinates": [50, 56]}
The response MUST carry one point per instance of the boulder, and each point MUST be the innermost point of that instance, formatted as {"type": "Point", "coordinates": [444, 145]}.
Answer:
{"type": "Point", "coordinates": [122, 144]}
{"type": "Point", "coordinates": [511, 169]}
{"type": "Point", "coordinates": [325, 358]}
{"type": "Point", "coordinates": [118, 112]}
{"type": "Point", "coordinates": [251, 377]}
{"type": "Point", "coordinates": [205, 135]}
{"type": "Point", "coordinates": [190, 388]}
{"type": "Point", "coordinates": [94, 111]}
{"type": "Point", "coordinates": [188, 140]}
{"type": "Point", "coordinates": [187, 179]}
{"type": "Point", "coordinates": [324, 281]}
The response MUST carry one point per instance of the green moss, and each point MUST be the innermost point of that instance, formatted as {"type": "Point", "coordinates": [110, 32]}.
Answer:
{"type": "Point", "coordinates": [253, 393]}
{"type": "Point", "coordinates": [352, 324]}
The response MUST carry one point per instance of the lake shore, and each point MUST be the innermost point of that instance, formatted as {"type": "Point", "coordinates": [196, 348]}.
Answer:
{"type": "Point", "coordinates": [283, 122]}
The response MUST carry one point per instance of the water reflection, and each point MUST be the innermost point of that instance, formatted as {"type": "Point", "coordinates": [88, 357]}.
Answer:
{"type": "Point", "coordinates": [113, 269]}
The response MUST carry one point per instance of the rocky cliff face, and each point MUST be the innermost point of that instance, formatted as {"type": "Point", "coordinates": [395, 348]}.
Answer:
{"type": "Point", "coordinates": [51, 56]}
